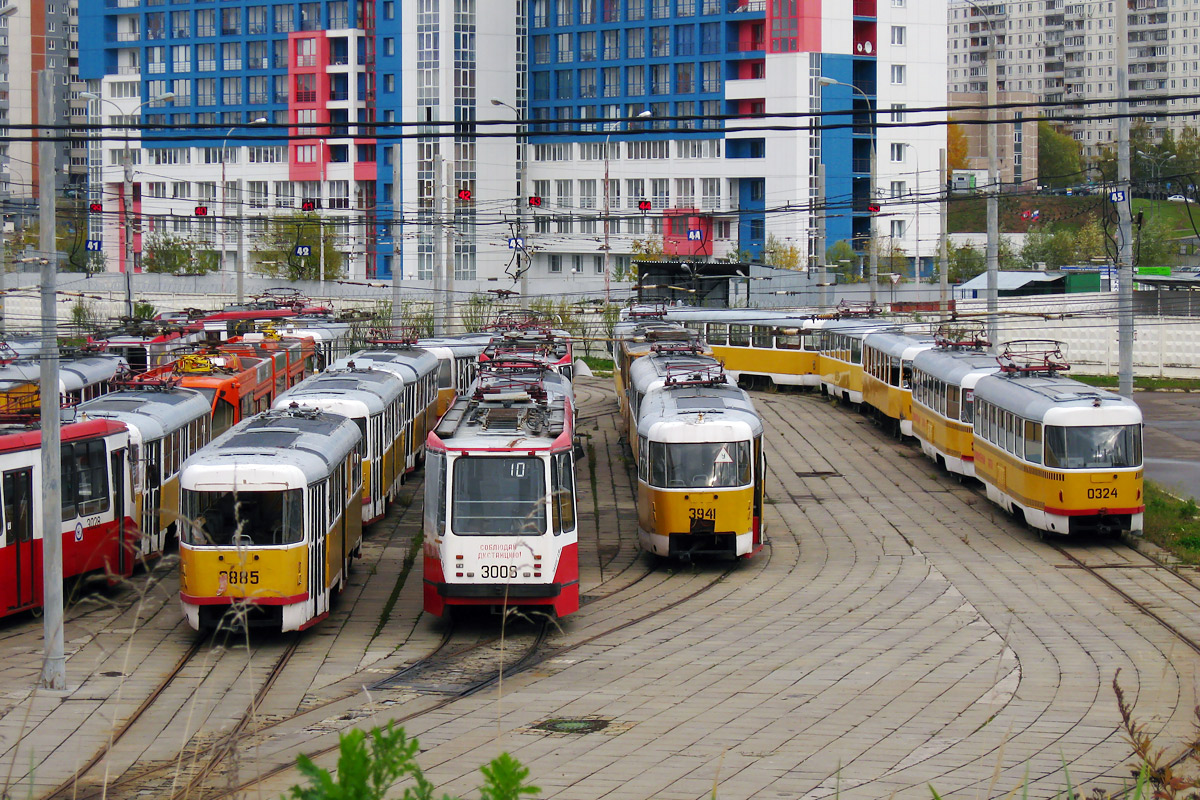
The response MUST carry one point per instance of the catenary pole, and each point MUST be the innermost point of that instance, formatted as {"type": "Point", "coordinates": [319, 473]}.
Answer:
{"type": "Point", "coordinates": [1124, 213]}
{"type": "Point", "coordinates": [54, 660]}
{"type": "Point", "coordinates": [396, 269]}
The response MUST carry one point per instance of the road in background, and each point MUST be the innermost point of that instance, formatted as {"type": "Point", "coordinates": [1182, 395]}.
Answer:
{"type": "Point", "coordinates": [1172, 439]}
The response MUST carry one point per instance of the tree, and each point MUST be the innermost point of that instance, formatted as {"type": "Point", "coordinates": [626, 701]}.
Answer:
{"type": "Point", "coordinates": [173, 255]}
{"type": "Point", "coordinates": [477, 313]}
{"type": "Point", "coordinates": [1059, 245]}
{"type": "Point", "coordinates": [1060, 157]}
{"type": "Point", "coordinates": [781, 254]}
{"type": "Point", "coordinates": [966, 261]}
{"type": "Point", "coordinates": [1154, 244]}
{"type": "Point", "coordinates": [275, 253]}
{"type": "Point", "coordinates": [648, 249]}
{"type": "Point", "coordinates": [956, 147]}
{"type": "Point", "coordinates": [844, 261]}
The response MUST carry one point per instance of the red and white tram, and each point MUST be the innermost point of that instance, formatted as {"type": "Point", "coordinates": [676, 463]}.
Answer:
{"type": "Point", "coordinates": [500, 521]}
{"type": "Point", "coordinates": [98, 530]}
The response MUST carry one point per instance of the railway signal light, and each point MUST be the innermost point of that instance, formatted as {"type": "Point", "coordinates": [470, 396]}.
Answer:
{"type": "Point", "coordinates": [95, 208]}
{"type": "Point", "coordinates": [643, 205]}
{"type": "Point", "coordinates": [464, 195]}
{"type": "Point", "coordinates": [308, 205]}
{"type": "Point", "coordinates": [873, 208]}
{"type": "Point", "coordinates": [535, 201]}
{"type": "Point", "coordinates": [201, 211]}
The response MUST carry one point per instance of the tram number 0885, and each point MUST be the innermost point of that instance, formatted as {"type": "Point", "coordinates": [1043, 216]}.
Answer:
{"type": "Point", "coordinates": [498, 571]}
{"type": "Point", "coordinates": [243, 577]}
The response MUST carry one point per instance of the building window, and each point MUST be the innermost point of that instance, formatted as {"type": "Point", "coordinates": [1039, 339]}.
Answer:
{"type": "Point", "coordinates": [899, 188]}
{"type": "Point", "coordinates": [587, 46]}
{"type": "Point", "coordinates": [564, 48]}
{"type": "Point", "coordinates": [897, 152]}
{"type": "Point", "coordinates": [555, 262]}
{"type": "Point", "coordinates": [660, 193]}
{"type": "Point", "coordinates": [306, 154]}
{"type": "Point", "coordinates": [660, 41]}
{"type": "Point", "coordinates": [635, 43]}
{"type": "Point", "coordinates": [897, 229]}
{"type": "Point", "coordinates": [898, 74]}
{"type": "Point", "coordinates": [898, 112]}
{"type": "Point", "coordinates": [612, 45]}
{"type": "Point", "coordinates": [898, 33]}
{"type": "Point", "coordinates": [635, 10]}
{"type": "Point", "coordinates": [635, 80]}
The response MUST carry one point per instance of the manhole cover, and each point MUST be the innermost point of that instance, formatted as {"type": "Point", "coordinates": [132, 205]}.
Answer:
{"type": "Point", "coordinates": [572, 725]}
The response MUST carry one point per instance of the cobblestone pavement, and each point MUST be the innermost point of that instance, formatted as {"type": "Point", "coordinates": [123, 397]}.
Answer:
{"type": "Point", "coordinates": [898, 632]}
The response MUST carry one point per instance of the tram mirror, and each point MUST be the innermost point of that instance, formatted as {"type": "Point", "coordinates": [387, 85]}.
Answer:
{"type": "Point", "coordinates": [582, 370]}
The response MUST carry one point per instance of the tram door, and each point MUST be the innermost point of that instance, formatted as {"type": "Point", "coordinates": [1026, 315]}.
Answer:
{"type": "Point", "coordinates": [18, 534]}
{"type": "Point", "coordinates": [760, 488]}
{"type": "Point", "coordinates": [117, 481]}
{"type": "Point", "coordinates": [152, 495]}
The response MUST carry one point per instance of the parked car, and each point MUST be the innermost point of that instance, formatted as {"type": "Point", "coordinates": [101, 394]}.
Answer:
{"type": "Point", "coordinates": [1178, 198]}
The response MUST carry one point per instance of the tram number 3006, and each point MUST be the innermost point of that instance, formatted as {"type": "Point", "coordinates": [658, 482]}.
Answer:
{"type": "Point", "coordinates": [1102, 493]}
{"type": "Point", "coordinates": [498, 571]}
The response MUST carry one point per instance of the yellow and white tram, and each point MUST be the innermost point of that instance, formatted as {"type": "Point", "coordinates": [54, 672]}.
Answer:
{"type": "Point", "coordinates": [1062, 455]}
{"type": "Point", "coordinates": [943, 403]}
{"type": "Point", "coordinates": [839, 357]}
{"type": "Point", "coordinates": [374, 400]}
{"type": "Point", "coordinates": [887, 377]}
{"type": "Point", "coordinates": [754, 343]}
{"type": "Point", "coordinates": [700, 469]}
{"type": "Point", "coordinates": [458, 358]}
{"type": "Point", "coordinates": [270, 521]}
{"type": "Point", "coordinates": [167, 424]}
{"type": "Point", "coordinates": [418, 368]}
{"type": "Point", "coordinates": [667, 362]}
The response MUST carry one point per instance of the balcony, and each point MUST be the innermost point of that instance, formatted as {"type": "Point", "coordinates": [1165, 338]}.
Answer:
{"type": "Point", "coordinates": [746, 6]}
{"type": "Point", "coordinates": [339, 94]}
{"type": "Point", "coordinates": [128, 36]}
{"type": "Point", "coordinates": [306, 96]}
{"type": "Point", "coordinates": [306, 61]}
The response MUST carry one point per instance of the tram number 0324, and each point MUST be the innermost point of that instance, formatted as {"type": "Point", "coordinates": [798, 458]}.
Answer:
{"type": "Point", "coordinates": [243, 577]}
{"type": "Point", "coordinates": [1102, 493]}
{"type": "Point", "coordinates": [498, 571]}
{"type": "Point", "coordinates": [702, 513]}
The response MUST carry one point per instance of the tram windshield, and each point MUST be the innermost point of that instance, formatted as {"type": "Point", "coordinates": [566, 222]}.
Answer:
{"type": "Point", "coordinates": [697, 465]}
{"type": "Point", "coordinates": [1091, 447]}
{"type": "Point", "coordinates": [498, 496]}
{"type": "Point", "coordinates": [243, 519]}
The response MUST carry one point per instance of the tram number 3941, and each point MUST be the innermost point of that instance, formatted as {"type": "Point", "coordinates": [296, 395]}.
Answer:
{"type": "Point", "coordinates": [702, 513]}
{"type": "Point", "coordinates": [1102, 493]}
{"type": "Point", "coordinates": [498, 571]}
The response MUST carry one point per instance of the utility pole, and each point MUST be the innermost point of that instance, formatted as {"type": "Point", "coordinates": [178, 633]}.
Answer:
{"type": "Point", "coordinates": [396, 320]}
{"type": "Point", "coordinates": [438, 326]}
{"type": "Point", "coordinates": [1124, 213]}
{"type": "Point", "coordinates": [448, 248]}
{"type": "Point", "coordinates": [943, 249]}
{"type": "Point", "coordinates": [131, 226]}
{"type": "Point", "coordinates": [54, 661]}
{"type": "Point", "coordinates": [993, 197]}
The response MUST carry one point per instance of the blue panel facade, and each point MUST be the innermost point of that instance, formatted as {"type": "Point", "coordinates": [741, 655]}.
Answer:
{"type": "Point", "coordinates": [611, 59]}
{"type": "Point", "coordinates": [389, 108]}
{"type": "Point", "coordinates": [838, 150]}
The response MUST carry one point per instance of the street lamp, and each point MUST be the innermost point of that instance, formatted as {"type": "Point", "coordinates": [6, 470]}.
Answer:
{"type": "Point", "coordinates": [131, 224]}
{"type": "Point", "coordinates": [874, 253]}
{"type": "Point", "coordinates": [522, 174]}
{"type": "Point", "coordinates": [607, 247]}
{"type": "Point", "coordinates": [1156, 168]}
{"type": "Point", "coordinates": [237, 256]}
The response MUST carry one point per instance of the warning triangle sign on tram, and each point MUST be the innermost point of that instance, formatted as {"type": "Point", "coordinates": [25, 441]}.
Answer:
{"type": "Point", "coordinates": [723, 457]}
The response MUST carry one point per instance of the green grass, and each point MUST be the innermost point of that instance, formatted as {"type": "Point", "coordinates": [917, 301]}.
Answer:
{"type": "Point", "coordinates": [595, 362]}
{"type": "Point", "coordinates": [1142, 382]}
{"type": "Point", "coordinates": [1172, 524]}
{"type": "Point", "coordinates": [1175, 214]}
{"type": "Point", "coordinates": [969, 214]}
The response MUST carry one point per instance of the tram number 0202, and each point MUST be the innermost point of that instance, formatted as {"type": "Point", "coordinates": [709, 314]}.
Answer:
{"type": "Point", "coordinates": [1102, 493]}
{"type": "Point", "coordinates": [240, 578]}
{"type": "Point", "coordinates": [503, 571]}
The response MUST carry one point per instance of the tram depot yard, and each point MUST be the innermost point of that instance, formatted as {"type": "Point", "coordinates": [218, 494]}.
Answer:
{"type": "Point", "coordinates": [897, 632]}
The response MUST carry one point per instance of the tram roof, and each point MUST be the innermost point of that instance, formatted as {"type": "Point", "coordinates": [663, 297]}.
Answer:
{"type": "Point", "coordinates": [374, 387]}
{"type": "Point", "coordinates": [901, 345]}
{"type": "Point", "coordinates": [692, 406]}
{"type": "Point", "coordinates": [1035, 396]}
{"type": "Point", "coordinates": [656, 366]}
{"type": "Point", "coordinates": [952, 366]}
{"type": "Point", "coordinates": [154, 412]}
{"type": "Point", "coordinates": [302, 440]}
{"type": "Point", "coordinates": [409, 364]}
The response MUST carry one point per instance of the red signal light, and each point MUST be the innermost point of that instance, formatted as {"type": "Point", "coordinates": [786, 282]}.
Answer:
{"type": "Point", "coordinates": [873, 208]}
{"type": "Point", "coordinates": [464, 195]}
{"type": "Point", "coordinates": [308, 205]}
{"type": "Point", "coordinates": [643, 205]}
{"type": "Point", "coordinates": [95, 208]}
{"type": "Point", "coordinates": [535, 201]}
{"type": "Point", "coordinates": [201, 211]}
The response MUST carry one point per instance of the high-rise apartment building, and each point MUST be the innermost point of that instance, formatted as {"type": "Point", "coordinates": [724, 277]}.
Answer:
{"type": "Point", "coordinates": [36, 36]}
{"type": "Point", "coordinates": [576, 126]}
{"type": "Point", "coordinates": [1064, 52]}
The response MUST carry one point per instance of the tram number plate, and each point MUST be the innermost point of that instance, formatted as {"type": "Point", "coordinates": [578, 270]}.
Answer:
{"type": "Point", "coordinates": [1102, 493]}
{"type": "Point", "coordinates": [240, 577]}
{"type": "Point", "coordinates": [498, 571]}
{"type": "Point", "coordinates": [702, 513]}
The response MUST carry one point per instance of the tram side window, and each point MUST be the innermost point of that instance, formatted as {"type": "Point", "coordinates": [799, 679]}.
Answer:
{"type": "Point", "coordinates": [968, 406]}
{"type": "Point", "coordinates": [223, 417]}
{"type": "Point", "coordinates": [84, 479]}
{"type": "Point", "coordinates": [952, 409]}
{"type": "Point", "coordinates": [499, 496]}
{"type": "Point", "coordinates": [855, 350]}
{"type": "Point", "coordinates": [1033, 442]}
{"type": "Point", "coordinates": [445, 375]}
{"type": "Point", "coordinates": [762, 337]}
{"type": "Point", "coordinates": [563, 487]}
{"type": "Point", "coordinates": [718, 334]}
{"type": "Point", "coordinates": [1094, 446]}
{"type": "Point", "coordinates": [643, 458]}
{"type": "Point", "coordinates": [894, 371]}
{"type": "Point", "coordinates": [787, 338]}
{"type": "Point", "coordinates": [700, 464]}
